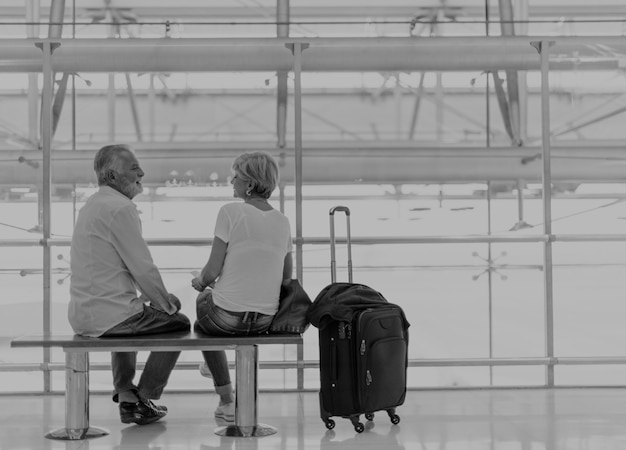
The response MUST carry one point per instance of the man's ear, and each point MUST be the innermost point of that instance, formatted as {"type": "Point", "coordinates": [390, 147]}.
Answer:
{"type": "Point", "coordinates": [110, 176]}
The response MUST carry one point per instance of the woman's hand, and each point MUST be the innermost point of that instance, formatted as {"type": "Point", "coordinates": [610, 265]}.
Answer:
{"type": "Point", "coordinates": [197, 284]}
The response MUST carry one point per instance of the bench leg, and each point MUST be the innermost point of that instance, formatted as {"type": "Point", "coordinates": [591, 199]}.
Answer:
{"type": "Point", "coordinates": [247, 368]}
{"type": "Point", "coordinates": [76, 400]}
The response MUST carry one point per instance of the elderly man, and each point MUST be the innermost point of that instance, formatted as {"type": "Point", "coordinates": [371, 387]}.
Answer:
{"type": "Point", "coordinates": [110, 263]}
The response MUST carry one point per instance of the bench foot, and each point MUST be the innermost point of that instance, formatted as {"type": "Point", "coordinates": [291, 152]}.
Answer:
{"type": "Point", "coordinates": [66, 434]}
{"type": "Point", "coordinates": [259, 430]}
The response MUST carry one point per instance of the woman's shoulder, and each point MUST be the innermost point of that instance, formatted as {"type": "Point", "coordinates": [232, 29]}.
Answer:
{"type": "Point", "coordinates": [241, 208]}
{"type": "Point", "coordinates": [233, 206]}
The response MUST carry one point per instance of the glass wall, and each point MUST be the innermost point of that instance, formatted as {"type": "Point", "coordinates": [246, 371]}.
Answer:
{"type": "Point", "coordinates": [465, 301]}
{"type": "Point", "coordinates": [448, 216]}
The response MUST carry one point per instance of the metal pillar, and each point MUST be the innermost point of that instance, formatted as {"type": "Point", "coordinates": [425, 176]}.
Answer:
{"type": "Point", "coordinates": [246, 414]}
{"type": "Point", "coordinates": [111, 107]}
{"type": "Point", "coordinates": [508, 29]}
{"type": "Point", "coordinates": [151, 109]}
{"type": "Point", "coordinates": [76, 401]}
{"type": "Point", "coordinates": [45, 197]}
{"type": "Point", "coordinates": [32, 31]}
{"type": "Point", "coordinates": [133, 107]}
{"type": "Point", "coordinates": [55, 31]}
{"type": "Point", "coordinates": [543, 47]}
{"type": "Point", "coordinates": [521, 223]}
{"type": "Point", "coordinates": [521, 29]}
{"type": "Point", "coordinates": [282, 30]}
{"type": "Point", "coordinates": [296, 49]}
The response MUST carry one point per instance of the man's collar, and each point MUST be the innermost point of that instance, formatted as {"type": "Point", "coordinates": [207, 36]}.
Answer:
{"type": "Point", "coordinates": [109, 190]}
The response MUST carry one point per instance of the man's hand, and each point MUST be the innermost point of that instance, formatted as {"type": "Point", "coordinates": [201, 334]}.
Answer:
{"type": "Point", "coordinates": [175, 301]}
{"type": "Point", "coordinates": [197, 284]}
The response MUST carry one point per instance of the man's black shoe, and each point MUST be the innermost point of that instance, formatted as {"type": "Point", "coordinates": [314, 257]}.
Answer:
{"type": "Point", "coordinates": [157, 407]}
{"type": "Point", "coordinates": [141, 412]}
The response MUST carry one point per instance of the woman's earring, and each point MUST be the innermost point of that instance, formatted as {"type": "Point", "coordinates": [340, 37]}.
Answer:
{"type": "Point", "coordinates": [249, 192]}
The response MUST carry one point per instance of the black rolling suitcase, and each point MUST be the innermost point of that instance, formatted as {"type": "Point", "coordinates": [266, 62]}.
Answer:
{"type": "Point", "coordinates": [363, 343]}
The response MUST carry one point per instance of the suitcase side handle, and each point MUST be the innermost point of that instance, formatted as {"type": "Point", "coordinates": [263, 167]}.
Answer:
{"type": "Point", "coordinates": [333, 262]}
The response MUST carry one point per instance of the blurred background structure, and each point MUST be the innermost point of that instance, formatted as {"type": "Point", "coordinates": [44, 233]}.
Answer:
{"type": "Point", "coordinates": [479, 144]}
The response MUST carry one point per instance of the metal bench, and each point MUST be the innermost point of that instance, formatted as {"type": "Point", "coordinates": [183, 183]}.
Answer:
{"type": "Point", "coordinates": [77, 350]}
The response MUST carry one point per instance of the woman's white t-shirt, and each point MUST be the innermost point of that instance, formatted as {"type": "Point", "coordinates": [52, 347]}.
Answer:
{"type": "Point", "coordinates": [258, 242]}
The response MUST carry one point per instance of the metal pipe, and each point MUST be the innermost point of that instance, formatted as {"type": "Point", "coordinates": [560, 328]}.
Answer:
{"type": "Point", "coordinates": [521, 29]}
{"type": "Point", "coordinates": [59, 100]}
{"type": "Point", "coordinates": [334, 10]}
{"type": "Point", "coordinates": [369, 240]}
{"type": "Point", "coordinates": [45, 196]}
{"type": "Point", "coordinates": [282, 31]}
{"type": "Point", "coordinates": [520, 200]}
{"type": "Point", "coordinates": [333, 162]}
{"type": "Point", "coordinates": [360, 240]}
{"type": "Point", "coordinates": [297, 71]}
{"type": "Point", "coordinates": [418, 100]}
{"type": "Point", "coordinates": [324, 54]}
{"type": "Point", "coordinates": [314, 364]}
{"type": "Point", "coordinates": [246, 415]}
{"type": "Point", "coordinates": [133, 107]}
{"type": "Point", "coordinates": [76, 401]}
{"type": "Point", "coordinates": [111, 107]}
{"type": "Point", "coordinates": [512, 81]}
{"type": "Point", "coordinates": [151, 109]}
{"type": "Point", "coordinates": [77, 394]}
{"type": "Point", "coordinates": [246, 387]}
{"type": "Point", "coordinates": [55, 31]}
{"type": "Point", "coordinates": [32, 31]}
{"type": "Point", "coordinates": [57, 12]}
{"type": "Point", "coordinates": [544, 49]}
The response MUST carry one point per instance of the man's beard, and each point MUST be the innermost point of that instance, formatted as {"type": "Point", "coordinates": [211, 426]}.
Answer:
{"type": "Point", "coordinates": [130, 189]}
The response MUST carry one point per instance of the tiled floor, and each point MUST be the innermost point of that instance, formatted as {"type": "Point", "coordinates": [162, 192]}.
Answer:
{"type": "Point", "coordinates": [525, 419]}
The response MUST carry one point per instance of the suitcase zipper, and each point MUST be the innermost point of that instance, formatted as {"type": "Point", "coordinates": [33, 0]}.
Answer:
{"type": "Point", "coordinates": [368, 374]}
{"type": "Point", "coordinates": [362, 350]}
{"type": "Point", "coordinates": [362, 384]}
{"type": "Point", "coordinates": [345, 330]}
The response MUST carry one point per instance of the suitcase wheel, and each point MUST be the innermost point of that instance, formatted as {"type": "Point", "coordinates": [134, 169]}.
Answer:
{"type": "Point", "coordinates": [369, 416]}
{"type": "Point", "coordinates": [358, 426]}
{"type": "Point", "coordinates": [395, 419]}
{"type": "Point", "coordinates": [330, 424]}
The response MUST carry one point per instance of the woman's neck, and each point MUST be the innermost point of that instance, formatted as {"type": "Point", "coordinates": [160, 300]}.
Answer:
{"type": "Point", "coordinates": [259, 203]}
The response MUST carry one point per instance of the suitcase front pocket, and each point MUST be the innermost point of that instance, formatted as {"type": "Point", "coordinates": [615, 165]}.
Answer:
{"type": "Point", "coordinates": [384, 385]}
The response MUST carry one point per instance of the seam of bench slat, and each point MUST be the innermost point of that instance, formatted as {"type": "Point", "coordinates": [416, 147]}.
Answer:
{"type": "Point", "coordinates": [191, 340]}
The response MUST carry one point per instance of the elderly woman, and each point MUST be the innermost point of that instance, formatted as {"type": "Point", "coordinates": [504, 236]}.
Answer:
{"type": "Point", "coordinates": [250, 259]}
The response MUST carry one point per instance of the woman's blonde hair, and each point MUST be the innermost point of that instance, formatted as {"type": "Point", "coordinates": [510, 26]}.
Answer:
{"type": "Point", "coordinates": [260, 169]}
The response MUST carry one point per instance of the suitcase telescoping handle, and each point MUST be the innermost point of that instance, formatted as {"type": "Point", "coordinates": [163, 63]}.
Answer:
{"type": "Point", "coordinates": [333, 262]}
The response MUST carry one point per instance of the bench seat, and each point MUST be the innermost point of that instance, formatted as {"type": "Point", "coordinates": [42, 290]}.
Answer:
{"type": "Point", "coordinates": [154, 342]}
{"type": "Point", "coordinates": [77, 349]}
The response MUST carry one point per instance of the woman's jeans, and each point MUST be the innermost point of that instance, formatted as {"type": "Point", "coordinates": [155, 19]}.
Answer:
{"type": "Point", "coordinates": [216, 321]}
{"type": "Point", "coordinates": [159, 365]}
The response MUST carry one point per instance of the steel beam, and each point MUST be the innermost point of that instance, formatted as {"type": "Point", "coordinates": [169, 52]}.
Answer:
{"type": "Point", "coordinates": [361, 162]}
{"type": "Point", "coordinates": [323, 54]}
{"type": "Point", "coordinates": [337, 11]}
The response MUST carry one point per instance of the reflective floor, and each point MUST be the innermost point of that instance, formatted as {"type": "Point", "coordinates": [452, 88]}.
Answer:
{"type": "Point", "coordinates": [525, 419]}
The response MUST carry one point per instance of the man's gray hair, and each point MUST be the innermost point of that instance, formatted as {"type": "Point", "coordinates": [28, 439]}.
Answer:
{"type": "Point", "coordinates": [106, 160]}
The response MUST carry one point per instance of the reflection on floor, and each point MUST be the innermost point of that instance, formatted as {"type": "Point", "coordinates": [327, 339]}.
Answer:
{"type": "Point", "coordinates": [463, 419]}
